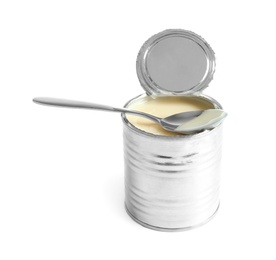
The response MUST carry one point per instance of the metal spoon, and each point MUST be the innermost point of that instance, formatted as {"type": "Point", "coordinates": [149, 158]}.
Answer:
{"type": "Point", "coordinates": [170, 123]}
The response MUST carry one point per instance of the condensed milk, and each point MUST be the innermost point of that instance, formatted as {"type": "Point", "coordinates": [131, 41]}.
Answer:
{"type": "Point", "coordinates": [164, 106]}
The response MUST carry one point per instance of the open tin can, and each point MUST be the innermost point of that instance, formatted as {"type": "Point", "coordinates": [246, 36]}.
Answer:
{"type": "Point", "coordinates": [172, 182]}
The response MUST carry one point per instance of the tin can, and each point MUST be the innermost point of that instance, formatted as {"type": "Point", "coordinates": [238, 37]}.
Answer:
{"type": "Point", "coordinates": [172, 182]}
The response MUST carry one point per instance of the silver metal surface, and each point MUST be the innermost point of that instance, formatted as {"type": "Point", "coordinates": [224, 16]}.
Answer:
{"type": "Point", "coordinates": [172, 182]}
{"type": "Point", "coordinates": [169, 123]}
{"type": "Point", "coordinates": [170, 229]}
{"type": "Point", "coordinates": [175, 62]}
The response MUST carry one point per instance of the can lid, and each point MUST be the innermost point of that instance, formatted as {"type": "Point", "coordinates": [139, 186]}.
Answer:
{"type": "Point", "coordinates": [175, 62]}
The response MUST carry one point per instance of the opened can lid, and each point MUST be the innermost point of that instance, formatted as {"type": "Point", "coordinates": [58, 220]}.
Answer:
{"type": "Point", "coordinates": [175, 62]}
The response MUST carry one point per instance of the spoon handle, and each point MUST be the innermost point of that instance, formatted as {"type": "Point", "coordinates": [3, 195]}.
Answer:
{"type": "Point", "coordinates": [87, 105]}
{"type": "Point", "coordinates": [72, 104]}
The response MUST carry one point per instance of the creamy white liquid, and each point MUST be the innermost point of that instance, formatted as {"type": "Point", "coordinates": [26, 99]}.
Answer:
{"type": "Point", "coordinates": [208, 119]}
{"type": "Point", "coordinates": [163, 107]}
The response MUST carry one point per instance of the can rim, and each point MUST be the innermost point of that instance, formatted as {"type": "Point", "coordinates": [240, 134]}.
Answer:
{"type": "Point", "coordinates": [174, 137]}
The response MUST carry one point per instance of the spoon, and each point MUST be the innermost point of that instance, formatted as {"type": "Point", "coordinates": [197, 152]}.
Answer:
{"type": "Point", "coordinates": [185, 122]}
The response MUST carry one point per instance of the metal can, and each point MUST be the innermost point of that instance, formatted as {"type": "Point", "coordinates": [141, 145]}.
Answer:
{"type": "Point", "coordinates": [172, 182]}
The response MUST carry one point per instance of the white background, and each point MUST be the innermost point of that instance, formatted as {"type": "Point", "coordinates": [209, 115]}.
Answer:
{"type": "Point", "coordinates": [62, 177]}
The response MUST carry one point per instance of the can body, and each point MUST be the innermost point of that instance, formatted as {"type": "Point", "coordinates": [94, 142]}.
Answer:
{"type": "Point", "coordinates": [172, 182]}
